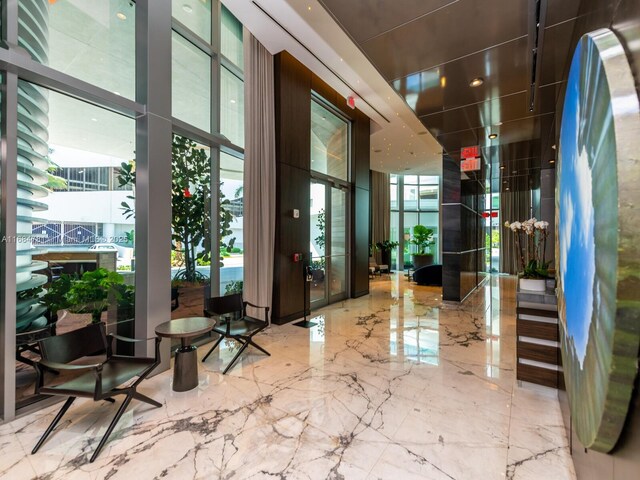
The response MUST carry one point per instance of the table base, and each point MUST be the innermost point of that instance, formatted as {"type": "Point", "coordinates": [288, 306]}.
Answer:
{"type": "Point", "coordinates": [185, 369]}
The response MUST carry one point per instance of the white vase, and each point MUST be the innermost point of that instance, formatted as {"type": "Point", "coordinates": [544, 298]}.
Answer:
{"type": "Point", "coordinates": [533, 284]}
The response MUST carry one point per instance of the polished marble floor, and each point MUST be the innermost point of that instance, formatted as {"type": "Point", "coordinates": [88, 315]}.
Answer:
{"type": "Point", "coordinates": [394, 385]}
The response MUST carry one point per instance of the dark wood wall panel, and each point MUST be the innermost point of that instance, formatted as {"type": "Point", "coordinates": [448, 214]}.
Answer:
{"type": "Point", "coordinates": [360, 243]}
{"type": "Point", "coordinates": [292, 236]}
{"type": "Point", "coordinates": [293, 111]}
{"type": "Point", "coordinates": [294, 84]}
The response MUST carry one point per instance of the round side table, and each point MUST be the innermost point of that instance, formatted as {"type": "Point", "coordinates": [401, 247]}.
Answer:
{"type": "Point", "coordinates": [185, 369]}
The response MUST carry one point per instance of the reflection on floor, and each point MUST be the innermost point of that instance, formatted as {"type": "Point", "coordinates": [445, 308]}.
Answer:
{"type": "Point", "coordinates": [392, 385]}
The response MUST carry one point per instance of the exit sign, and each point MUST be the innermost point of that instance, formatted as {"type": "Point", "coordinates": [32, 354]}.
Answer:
{"type": "Point", "coordinates": [470, 164]}
{"type": "Point", "coordinates": [470, 152]}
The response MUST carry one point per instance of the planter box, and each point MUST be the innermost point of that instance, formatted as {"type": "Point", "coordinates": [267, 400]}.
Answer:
{"type": "Point", "coordinates": [420, 261]}
{"type": "Point", "coordinates": [533, 284]}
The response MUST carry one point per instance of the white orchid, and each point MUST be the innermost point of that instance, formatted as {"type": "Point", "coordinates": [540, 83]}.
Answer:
{"type": "Point", "coordinates": [515, 226]}
{"type": "Point", "coordinates": [541, 225]}
{"type": "Point", "coordinates": [531, 252]}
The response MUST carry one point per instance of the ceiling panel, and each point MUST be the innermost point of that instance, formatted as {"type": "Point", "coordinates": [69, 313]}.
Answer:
{"type": "Point", "coordinates": [431, 59]}
{"type": "Point", "coordinates": [459, 29]}
{"type": "Point", "coordinates": [503, 68]}
{"type": "Point", "coordinates": [561, 10]}
{"type": "Point", "coordinates": [557, 42]}
{"type": "Point", "coordinates": [364, 19]}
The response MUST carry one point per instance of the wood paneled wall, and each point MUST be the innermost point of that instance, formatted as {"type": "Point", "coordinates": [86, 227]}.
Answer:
{"type": "Point", "coordinates": [293, 86]}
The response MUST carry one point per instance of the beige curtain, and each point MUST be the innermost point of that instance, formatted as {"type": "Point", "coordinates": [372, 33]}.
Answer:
{"type": "Point", "coordinates": [380, 208]}
{"type": "Point", "coordinates": [514, 206]}
{"type": "Point", "coordinates": [259, 173]}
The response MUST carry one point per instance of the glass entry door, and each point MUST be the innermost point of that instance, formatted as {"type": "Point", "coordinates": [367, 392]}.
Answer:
{"type": "Point", "coordinates": [329, 243]}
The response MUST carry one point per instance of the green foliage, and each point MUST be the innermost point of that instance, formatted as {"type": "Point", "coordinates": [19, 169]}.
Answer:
{"type": "Point", "coordinates": [536, 269]}
{"type": "Point", "coordinates": [127, 177]}
{"type": "Point", "coordinates": [422, 238]}
{"type": "Point", "coordinates": [56, 297]}
{"type": "Point", "coordinates": [90, 292]}
{"type": "Point", "coordinates": [234, 287]}
{"type": "Point", "coordinates": [191, 208]}
{"type": "Point", "coordinates": [321, 224]}
{"type": "Point", "coordinates": [386, 245]}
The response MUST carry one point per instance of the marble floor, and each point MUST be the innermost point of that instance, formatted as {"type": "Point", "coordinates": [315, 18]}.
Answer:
{"type": "Point", "coordinates": [395, 385]}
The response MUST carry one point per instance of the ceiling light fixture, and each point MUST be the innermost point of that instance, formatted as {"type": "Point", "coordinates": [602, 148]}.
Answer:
{"type": "Point", "coordinates": [121, 16]}
{"type": "Point", "coordinates": [493, 136]}
{"type": "Point", "coordinates": [552, 161]}
{"type": "Point", "coordinates": [501, 167]}
{"type": "Point", "coordinates": [553, 147]}
{"type": "Point", "coordinates": [232, 101]}
{"type": "Point", "coordinates": [443, 82]}
{"type": "Point", "coordinates": [507, 189]}
{"type": "Point", "coordinates": [476, 82]}
{"type": "Point", "coordinates": [187, 8]}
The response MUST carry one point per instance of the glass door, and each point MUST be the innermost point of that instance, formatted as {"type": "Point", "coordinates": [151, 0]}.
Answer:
{"type": "Point", "coordinates": [318, 237]}
{"type": "Point", "coordinates": [328, 245]}
{"type": "Point", "coordinates": [338, 254]}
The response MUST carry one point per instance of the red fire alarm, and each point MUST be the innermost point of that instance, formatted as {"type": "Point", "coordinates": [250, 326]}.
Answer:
{"type": "Point", "coordinates": [296, 257]}
{"type": "Point", "coordinates": [351, 101]}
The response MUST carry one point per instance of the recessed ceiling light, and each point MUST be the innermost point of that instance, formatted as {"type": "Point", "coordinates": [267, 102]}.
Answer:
{"type": "Point", "coordinates": [507, 188]}
{"type": "Point", "coordinates": [514, 172]}
{"type": "Point", "coordinates": [552, 161]}
{"type": "Point", "coordinates": [501, 167]}
{"type": "Point", "coordinates": [443, 82]}
{"type": "Point", "coordinates": [232, 101]}
{"type": "Point", "coordinates": [492, 136]}
{"type": "Point", "coordinates": [94, 119]}
{"type": "Point", "coordinates": [476, 82]}
{"type": "Point", "coordinates": [505, 181]}
{"type": "Point", "coordinates": [309, 8]}
{"type": "Point", "coordinates": [121, 16]}
{"type": "Point", "coordinates": [553, 146]}
{"type": "Point", "coordinates": [187, 8]}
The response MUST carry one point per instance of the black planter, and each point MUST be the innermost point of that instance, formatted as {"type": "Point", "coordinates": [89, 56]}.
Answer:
{"type": "Point", "coordinates": [385, 257]}
{"type": "Point", "coordinates": [423, 260]}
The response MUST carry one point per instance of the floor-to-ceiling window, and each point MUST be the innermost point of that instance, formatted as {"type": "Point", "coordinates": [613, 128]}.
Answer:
{"type": "Point", "coordinates": [74, 111]}
{"type": "Point", "coordinates": [415, 200]}
{"type": "Point", "coordinates": [207, 63]}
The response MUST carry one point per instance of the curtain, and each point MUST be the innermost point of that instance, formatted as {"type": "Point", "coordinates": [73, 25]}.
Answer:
{"type": "Point", "coordinates": [259, 174]}
{"type": "Point", "coordinates": [380, 208]}
{"type": "Point", "coordinates": [514, 206]}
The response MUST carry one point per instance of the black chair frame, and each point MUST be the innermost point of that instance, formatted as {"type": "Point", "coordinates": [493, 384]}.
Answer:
{"type": "Point", "coordinates": [223, 308]}
{"type": "Point", "coordinates": [98, 394]}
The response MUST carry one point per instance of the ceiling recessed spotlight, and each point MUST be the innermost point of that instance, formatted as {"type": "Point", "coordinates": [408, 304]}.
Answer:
{"type": "Point", "coordinates": [553, 146]}
{"type": "Point", "coordinates": [443, 82]}
{"type": "Point", "coordinates": [121, 16]}
{"type": "Point", "coordinates": [552, 161]}
{"type": "Point", "coordinates": [507, 189]}
{"type": "Point", "coordinates": [505, 181]}
{"type": "Point", "coordinates": [492, 136]}
{"type": "Point", "coordinates": [309, 8]}
{"type": "Point", "coordinates": [232, 101]}
{"type": "Point", "coordinates": [501, 167]}
{"type": "Point", "coordinates": [94, 119]}
{"type": "Point", "coordinates": [476, 82]}
{"type": "Point", "coordinates": [514, 172]}
{"type": "Point", "coordinates": [187, 8]}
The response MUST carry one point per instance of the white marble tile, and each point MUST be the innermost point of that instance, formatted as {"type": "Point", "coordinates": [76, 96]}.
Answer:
{"type": "Point", "coordinates": [393, 385]}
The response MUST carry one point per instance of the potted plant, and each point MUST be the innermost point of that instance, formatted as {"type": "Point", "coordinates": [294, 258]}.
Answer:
{"type": "Point", "coordinates": [91, 292]}
{"type": "Point", "coordinates": [423, 240]}
{"type": "Point", "coordinates": [55, 298]}
{"type": "Point", "coordinates": [534, 269]}
{"type": "Point", "coordinates": [385, 248]}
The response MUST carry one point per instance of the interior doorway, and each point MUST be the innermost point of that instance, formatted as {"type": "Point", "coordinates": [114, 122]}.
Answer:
{"type": "Point", "coordinates": [328, 242]}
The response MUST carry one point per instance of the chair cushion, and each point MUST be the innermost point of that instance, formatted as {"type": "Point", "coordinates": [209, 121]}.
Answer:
{"type": "Point", "coordinates": [115, 372]}
{"type": "Point", "coordinates": [245, 326]}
